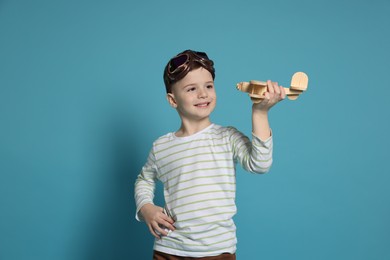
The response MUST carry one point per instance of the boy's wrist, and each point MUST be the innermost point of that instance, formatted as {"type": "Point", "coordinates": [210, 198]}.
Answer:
{"type": "Point", "coordinates": [259, 112]}
{"type": "Point", "coordinates": [146, 205]}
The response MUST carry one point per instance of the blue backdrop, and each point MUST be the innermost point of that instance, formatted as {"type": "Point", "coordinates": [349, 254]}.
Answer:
{"type": "Point", "coordinates": [82, 99]}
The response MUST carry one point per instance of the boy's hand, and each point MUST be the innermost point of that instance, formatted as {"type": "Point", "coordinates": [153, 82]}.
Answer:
{"type": "Point", "coordinates": [156, 220]}
{"type": "Point", "coordinates": [274, 94]}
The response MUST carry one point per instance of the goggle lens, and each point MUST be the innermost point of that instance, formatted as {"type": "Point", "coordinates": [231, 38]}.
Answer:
{"type": "Point", "coordinates": [179, 61]}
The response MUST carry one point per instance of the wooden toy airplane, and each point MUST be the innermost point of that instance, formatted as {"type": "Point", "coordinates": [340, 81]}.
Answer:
{"type": "Point", "coordinates": [256, 89]}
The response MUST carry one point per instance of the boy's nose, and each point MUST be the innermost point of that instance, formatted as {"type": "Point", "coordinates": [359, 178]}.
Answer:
{"type": "Point", "coordinates": [202, 93]}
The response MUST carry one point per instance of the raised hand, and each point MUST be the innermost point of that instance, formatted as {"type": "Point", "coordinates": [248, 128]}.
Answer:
{"type": "Point", "coordinates": [273, 95]}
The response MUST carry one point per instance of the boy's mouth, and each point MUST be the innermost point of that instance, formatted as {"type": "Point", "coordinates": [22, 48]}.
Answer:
{"type": "Point", "coordinates": [204, 104]}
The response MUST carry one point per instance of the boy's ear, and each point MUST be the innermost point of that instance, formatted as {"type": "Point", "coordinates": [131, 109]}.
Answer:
{"type": "Point", "coordinates": [171, 100]}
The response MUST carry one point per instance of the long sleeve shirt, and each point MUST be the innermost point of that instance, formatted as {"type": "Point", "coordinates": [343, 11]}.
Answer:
{"type": "Point", "coordinates": [198, 175]}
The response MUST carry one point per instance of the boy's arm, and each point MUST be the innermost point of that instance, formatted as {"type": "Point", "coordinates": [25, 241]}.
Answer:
{"type": "Point", "coordinates": [145, 186]}
{"type": "Point", "coordinates": [260, 123]}
{"type": "Point", "coordinates": [153, 215]}
{"type": "Point", "coordinates": [256, 156]}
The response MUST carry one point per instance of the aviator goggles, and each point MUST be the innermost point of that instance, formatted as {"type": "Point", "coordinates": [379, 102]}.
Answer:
{"type": "Point", "coordinates": [179, 63]}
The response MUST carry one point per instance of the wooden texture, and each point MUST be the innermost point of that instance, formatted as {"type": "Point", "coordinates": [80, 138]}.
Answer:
{"type": "Point", "coordinates": [256, 89]}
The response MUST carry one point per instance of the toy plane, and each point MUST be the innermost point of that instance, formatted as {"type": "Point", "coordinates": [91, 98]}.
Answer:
{"type": "Point", "coordinates": [256, 89]}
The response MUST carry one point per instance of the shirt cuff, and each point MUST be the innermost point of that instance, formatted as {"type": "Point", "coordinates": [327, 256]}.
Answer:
{"type": "Point", "coordinates": [138, 215]}
{"type": "Point", "coordinates": [266, 141]}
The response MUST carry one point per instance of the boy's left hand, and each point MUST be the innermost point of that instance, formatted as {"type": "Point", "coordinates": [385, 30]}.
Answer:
{"type": "Point", "coordinates": [274, 94]}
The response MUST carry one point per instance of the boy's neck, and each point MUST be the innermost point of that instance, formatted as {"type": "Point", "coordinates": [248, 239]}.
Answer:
{"type": "Point", "coordinates": [190, 128]}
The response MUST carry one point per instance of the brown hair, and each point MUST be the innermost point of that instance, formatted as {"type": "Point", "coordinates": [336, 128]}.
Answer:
{"type": "Point", "coordinates": [179, 66]}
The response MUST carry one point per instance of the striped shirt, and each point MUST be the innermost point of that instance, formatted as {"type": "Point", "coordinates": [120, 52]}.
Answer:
{"type": "Point", "coordinates": [198, 174]}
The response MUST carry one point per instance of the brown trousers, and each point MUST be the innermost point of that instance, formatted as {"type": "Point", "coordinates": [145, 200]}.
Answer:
{"type": "Point", "coordinates": [163, 256]}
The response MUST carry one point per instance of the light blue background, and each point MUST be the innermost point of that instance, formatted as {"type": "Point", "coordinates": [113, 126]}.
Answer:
{"type": "Point", "coordinates": [82, 99]}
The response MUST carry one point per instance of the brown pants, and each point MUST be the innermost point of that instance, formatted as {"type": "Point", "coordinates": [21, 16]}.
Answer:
{"type": "Point", "coordinates": [163, 256]}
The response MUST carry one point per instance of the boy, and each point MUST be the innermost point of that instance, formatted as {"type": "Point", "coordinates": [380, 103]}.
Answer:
{"type": "Point", "coordinates": [196, 165]}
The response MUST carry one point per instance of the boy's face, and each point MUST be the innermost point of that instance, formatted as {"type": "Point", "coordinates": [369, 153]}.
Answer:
{"type": "Point", "coordinates": [194, 96]}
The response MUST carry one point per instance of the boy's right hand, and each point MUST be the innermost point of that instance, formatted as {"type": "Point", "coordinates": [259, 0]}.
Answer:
{"type": "Point", "coordinates": [156, 220]}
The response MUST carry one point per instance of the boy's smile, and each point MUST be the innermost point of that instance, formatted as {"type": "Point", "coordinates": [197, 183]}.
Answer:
{"type": "Point", "coordinates": [194, 96]}
{"type": "Point", "coordinates": [203, 104]}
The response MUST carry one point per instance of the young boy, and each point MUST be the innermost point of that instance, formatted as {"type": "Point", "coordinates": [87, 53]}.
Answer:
{"type": "Point", "coordinates": [196, 165]}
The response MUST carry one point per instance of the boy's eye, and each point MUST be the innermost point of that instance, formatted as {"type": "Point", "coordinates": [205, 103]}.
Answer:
{"type": "Point", "coordinates": [190, 89]}
{"type": "Point", "coordinates": [210, 86]}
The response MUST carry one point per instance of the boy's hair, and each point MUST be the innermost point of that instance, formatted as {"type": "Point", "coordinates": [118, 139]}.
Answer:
{"type": "Point", "coordinates": [179, 66]}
